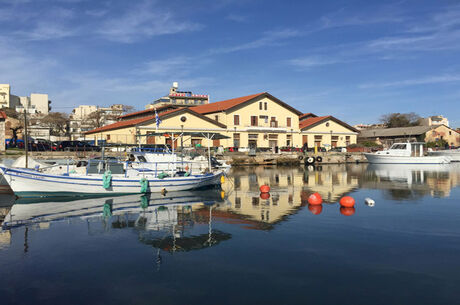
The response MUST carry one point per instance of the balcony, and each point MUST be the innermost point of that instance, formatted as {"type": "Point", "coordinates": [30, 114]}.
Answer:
{"type": "Point", "coordinates": [268, 127]}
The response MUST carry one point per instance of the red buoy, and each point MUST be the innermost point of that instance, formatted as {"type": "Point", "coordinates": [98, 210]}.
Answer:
{"type": "Point", "coordinates": [315, 208]}
{"type": "Point", "coordinates": [347, 202]}
{"type": "Point", "coordinates": [264, 196]}
{"type": "Point", "coordinates": [315, 198]}
{"type": "Point", "coordinates": [264, 188]}
{"type": "Point", "coordinates": [347, 211]}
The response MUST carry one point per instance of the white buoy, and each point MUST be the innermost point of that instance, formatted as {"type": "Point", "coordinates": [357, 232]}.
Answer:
{"type": "Point", "coordinates": [369, 202]}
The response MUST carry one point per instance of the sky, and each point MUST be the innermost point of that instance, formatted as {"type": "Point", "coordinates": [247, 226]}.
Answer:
{"type": "Point", "coordinates": [355, 60]}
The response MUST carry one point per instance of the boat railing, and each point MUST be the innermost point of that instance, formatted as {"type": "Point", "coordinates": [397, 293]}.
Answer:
{"type": "Point", "coordinates": [172, 168]}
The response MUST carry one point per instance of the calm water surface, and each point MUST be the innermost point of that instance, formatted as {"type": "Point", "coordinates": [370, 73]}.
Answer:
{"type": "Point", "coordinates": [197, 248]}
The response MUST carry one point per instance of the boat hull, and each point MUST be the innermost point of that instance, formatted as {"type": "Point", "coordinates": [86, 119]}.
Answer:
{"type": "Point", "coordinates": [453, 154]}
{"type": "Point", "coordinates": [30, 183]}
{"type": "Point", "coordinates": [391, 159]}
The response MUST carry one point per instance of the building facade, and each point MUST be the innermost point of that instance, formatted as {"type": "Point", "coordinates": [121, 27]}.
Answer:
{"type": "Point", "coordinates": [36, 103]}
{"type": "Point", "coordinates": [388, 136]}
{"type": "Point", "coordinates": [434, 120]}
{"type": "Point", "coordinates": [259, 120]}
{"type": "Point", "coordinates": [87, 117]}
{"type": "Point", "coordinates": [181, 98]}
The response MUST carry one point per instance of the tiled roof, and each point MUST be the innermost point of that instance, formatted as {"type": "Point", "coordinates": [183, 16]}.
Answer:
{"type": "Point", "coordinates": [224, 105]}
{"type": "Point", "coordinates": [307, 115]}
{"type": "Point", "coordinates": [394, 132]}
{"type": "Point", "coordinates": [134, 122]}
{"type": "Point", "coordinates": [152, 110]}
{"type": "Point", "coordinates": [2, 114]}
{"type": "Point", "coordinates": [129, 123]}
{"type": "Point", "coordinates": [312, 121]}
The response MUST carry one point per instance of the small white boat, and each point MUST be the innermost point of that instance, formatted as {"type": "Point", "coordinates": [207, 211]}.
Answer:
{"type": "Point", "coordinates": [454, 154]}
{"type": "Point", "coordinates": [405, 153]}
{"type": "Point", "coordinates": [102, 178]}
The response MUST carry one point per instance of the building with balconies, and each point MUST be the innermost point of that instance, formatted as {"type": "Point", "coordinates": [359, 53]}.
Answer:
{"type": "Point", "coordinates": [179, 98]}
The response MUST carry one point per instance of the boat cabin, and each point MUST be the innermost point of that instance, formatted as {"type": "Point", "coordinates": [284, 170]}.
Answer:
{"type": "Point", "coordinates": [409, 149]}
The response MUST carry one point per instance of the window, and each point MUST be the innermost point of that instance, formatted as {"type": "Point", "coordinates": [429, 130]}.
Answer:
{"type": "Point", "coordinates": [253, 136]}
{"type": "Point", "coordinates": [108, 137]}
{"type": "Point", "coordinates": [216, 117]}
{"type": "Point", "coordinates": [237, 202]}
{"type": "Point", "coordinates": [260, 105]}
{"type": "Point", "coordinates": [265, 105]}
{"type": "Point", "coordinates": [254, 121]}
{"type": "Point", "coordinates": [236, 119]}
{"type": "Point", "coordinates": [236, 140]}
{"type": "Point", "coordinates": [288, 122]}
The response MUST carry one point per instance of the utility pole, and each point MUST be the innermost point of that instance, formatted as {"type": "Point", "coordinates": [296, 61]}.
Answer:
{"type": "Point", "coordinates": [26, 139]}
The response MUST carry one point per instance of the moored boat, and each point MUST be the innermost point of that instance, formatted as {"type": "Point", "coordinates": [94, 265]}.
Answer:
{"type": "Point", "coordinates": [405, 153]}
{"type": "Point", "coordinates": [103, 178]}
{"type": "Point", "coordinates": [453, 154]}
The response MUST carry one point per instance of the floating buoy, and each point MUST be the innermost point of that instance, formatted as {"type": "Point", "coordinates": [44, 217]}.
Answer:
{"type": "Point", "coordinates": [347, 202]}
{"type": "Point", "coordinates": [315, 198]}
{"type": "Point", "coordinates": [347, 211]}
{"type": "Point", "coordinates": [222, 179]}
{"type": "Point", "coordinates": [264, 188]}
{"type": "Point", "coordinates": [315, 208]}
{"type": "Point", "coordinates": [264, 196]}
{"type": "Point", "coordinates": [369, 202]}
{"type": "Point", "coordinates": [222, 194]}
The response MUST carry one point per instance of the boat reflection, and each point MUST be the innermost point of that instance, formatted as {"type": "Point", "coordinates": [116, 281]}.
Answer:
{"type": "Point", "coordinates": [410, 181]}
{"type": "Point", "coordinates": [164, 221]}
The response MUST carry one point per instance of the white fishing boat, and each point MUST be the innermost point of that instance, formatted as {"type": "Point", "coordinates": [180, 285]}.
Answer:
{"type": "Point", "coordinates": [454, 154]}
{"type": "Point", "coordinates": [105, 178]}
{"type": "Point", "coordinates": [405, 153]}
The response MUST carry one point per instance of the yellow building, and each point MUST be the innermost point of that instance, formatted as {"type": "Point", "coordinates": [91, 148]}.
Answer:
{"type": "Point", "coordinates": [258, 120]}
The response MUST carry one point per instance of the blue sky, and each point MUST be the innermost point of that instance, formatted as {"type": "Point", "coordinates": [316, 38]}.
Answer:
{"type": "Point", "coordinates": [355, 60]}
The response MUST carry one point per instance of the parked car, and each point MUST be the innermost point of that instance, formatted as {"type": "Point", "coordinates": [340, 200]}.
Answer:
{"type": "Point", "coordinates": [290, 148]}
{"type": "Point", "coordinates": [76, 146]}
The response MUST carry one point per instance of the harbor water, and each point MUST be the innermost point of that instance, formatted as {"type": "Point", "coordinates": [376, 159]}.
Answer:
{"type": "Point", "coordinates": [238, 246]}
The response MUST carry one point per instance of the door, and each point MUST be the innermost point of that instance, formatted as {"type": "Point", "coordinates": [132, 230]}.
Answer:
{"type": "Point", "coordinates": [273, 143]}
{"type": "Point", "coordinates": [150, 139]}
{"type": "Point", "coordinates": [170, 144]}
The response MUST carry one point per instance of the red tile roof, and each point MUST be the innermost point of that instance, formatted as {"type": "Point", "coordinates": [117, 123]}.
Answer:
{"type": "Point", "coordinates": [130, 123]}
{"type": "Point", "coordinates": [152, 110]}
{"type": "Point", "coordinates": [307, 115]}
{"type": "Point", "coordinates": [2, 114]}
{"type": "Point", "coordinates": [312, 120]}
{"type": "Point", "coordinates": [224, 105]}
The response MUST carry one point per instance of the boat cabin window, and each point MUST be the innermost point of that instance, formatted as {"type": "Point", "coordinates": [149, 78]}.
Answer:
{"type": "Point", "coordinates": [398, 146]}
{"type": "Point", "coordinates": [141, 159]}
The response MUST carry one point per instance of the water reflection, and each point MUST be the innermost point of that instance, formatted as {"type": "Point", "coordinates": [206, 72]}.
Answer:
{"type": "Point", "coordinates": [164, 221]}
{"type": "Point", "coordinates": [411, 182]}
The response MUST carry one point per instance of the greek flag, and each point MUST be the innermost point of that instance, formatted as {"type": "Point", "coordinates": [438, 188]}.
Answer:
{"type": "Point", "coordinates": [157, 119]}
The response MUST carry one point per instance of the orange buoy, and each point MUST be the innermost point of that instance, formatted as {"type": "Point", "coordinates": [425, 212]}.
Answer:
{"type": "Point", "coordinates": [347, 202]}
{"type": "Point", "coordinates": [347, 211]}
{"type": "Point", "coordinates": [264, 188]}
{"type": "Point", "coordinates": [264, 196]}
{"type": "Point", "coordinates": [315, 198]}
{"type": "Point", "coordinates": [315, 208]}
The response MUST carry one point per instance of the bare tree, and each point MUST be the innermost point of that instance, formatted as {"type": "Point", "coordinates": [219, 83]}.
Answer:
{"type": "Point", "coordinates": [95, 119]}
{"type": "Point", "coordinates": [58, 122]}
{"type": "Point", "coordinates": [400, 119]}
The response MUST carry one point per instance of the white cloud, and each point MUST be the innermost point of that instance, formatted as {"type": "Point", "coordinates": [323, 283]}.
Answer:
{"type": "Point", "coordinates": [414, 82]}
{"type": "Point", "coordinates": [237, 18]}
{"type": "Point", "coordinates": [142, 22]}
{"type": "Point", "coordinates": [314, 61]}
{"type": "Point", "coordinates": [272, 38]}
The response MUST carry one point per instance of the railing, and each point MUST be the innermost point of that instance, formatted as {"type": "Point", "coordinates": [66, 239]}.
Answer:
{"type": "Point", "coordinates": [176, 168]}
